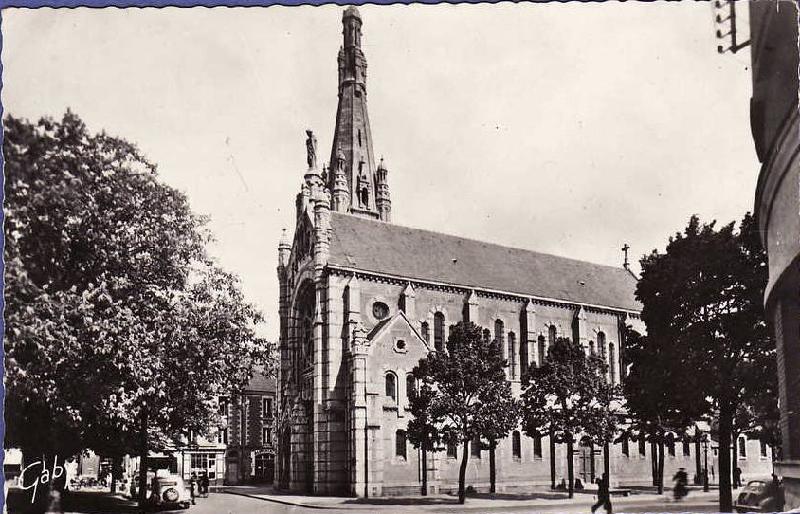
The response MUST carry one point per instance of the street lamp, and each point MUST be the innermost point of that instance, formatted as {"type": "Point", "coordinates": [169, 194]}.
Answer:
{"type": "Point", "coordinates": [705, 457]}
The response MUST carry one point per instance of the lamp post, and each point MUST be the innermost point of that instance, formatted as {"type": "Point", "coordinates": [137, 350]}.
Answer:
{"type": "Point", "coordinates": [705, 458]}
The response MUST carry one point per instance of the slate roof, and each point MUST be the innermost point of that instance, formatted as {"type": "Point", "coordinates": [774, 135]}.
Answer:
{"type": "Point", "coordinates": [368, 245]}
{"type": "Point", "coordinates": [261, 383]}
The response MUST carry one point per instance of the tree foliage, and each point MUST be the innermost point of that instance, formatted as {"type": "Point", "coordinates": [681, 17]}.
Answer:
{"type": "Point", "coordinates": [423, 428]}
{"type": "Point", "coordinates": [660, 398]}
{"type": "Point", "coordinates": [564, 397]}
{"type": "Point", "coordinates": [703, 306]}
{"type": "Point", "coordinates": [113, 307]}
{"type": "Point", "coordinates": [470, 383]}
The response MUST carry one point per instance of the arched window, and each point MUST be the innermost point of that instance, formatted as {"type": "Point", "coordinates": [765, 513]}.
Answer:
{"type": "Point", "coordinates": [642, 446]}
{"type": "Point", "coordinates": [516, 445]}
{"type": "Point", "coordinates": [400, 443]}
{"type": "Point", "coordinates": [426, 334]}
{"type": "Point", "coordinates": [551, 336]}
{"type": "Point", "coordinates": [612, 363]}
{"type": "Point", "coordinates": [411, 384]}
{"type": "Point", "coordinates": [591, 347]}
{"type": "Point", "coordinates": [601, 344]}
{"type": "Point", "coordinates": [625, 449]}
{"type": "Point", "coordinates": [743, 447]}
{"type": "Point", "coordinates": [537, 446]}
{"type": "Point", "coordinates": [452, 449]}
{"type": "Point", "coordinates": [475, 447]}
{"type": "Point", "coordinates": [512, 354]}
{"type": "Point", "coordinates": [686, 448]}
{"type": "Point", "coordinates": [391, 386]}
{"type": "Point", "coordinates": [542, 350]}
{"type": "Point", "coordinates": [438, 331]}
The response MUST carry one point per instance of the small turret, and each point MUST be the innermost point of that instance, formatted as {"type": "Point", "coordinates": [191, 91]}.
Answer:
{"type": "Point", "coordinates": [341, 191]}
{"type": "Point", "coordinates": [382, 199]}
{"type": "Point", "coordinates": [284, 249]}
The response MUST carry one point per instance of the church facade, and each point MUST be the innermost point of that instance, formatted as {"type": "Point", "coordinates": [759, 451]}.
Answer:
{"type": "Point", "coordinates": [363, 299]}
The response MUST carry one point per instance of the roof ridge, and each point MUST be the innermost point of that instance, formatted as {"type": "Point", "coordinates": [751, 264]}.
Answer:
{"type": "Point", "coordinates": [378, 222]}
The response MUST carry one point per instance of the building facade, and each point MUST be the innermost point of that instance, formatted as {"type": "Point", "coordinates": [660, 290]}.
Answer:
{"type": "Point", "coordinates": [362, 300]}
{"type": "Point", "coordinates": [249, 433]}
{"type": "Point", "coordinates": [776, 133]}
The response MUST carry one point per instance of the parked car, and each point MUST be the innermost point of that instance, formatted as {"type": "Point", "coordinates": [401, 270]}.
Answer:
{"type": "Point", "coordinates": [170, 490]}
{"type": "Point", "coordinates": [761, 495]}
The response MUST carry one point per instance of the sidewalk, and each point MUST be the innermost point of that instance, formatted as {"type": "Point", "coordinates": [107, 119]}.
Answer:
{"type": "Point", "coordinates": [483, 502]}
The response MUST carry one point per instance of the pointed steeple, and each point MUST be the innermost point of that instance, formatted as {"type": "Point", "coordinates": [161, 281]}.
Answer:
{"type": "Point", "coordinates": [352, 138]}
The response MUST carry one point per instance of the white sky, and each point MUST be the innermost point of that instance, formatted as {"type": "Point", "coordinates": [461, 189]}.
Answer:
{"type": "Point", "coordinates": [563, 128]}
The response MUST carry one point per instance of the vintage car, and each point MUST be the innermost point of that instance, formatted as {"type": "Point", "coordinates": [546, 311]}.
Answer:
{"type": "Point", "coordinates": [761, 495]}
{"type": "Point", "coordinates": [170, 490]}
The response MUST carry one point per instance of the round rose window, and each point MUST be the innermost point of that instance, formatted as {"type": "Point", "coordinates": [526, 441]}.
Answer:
{"type": "Point", "coordinates": [380, 310]}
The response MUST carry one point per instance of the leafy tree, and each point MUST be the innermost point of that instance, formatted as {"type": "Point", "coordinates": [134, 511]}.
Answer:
{"type": "Point", "coordinates": [660, 396]}
{"type": "Point", "coordinates": [606, 413]}
{"type": "Point", "coordinates": [469, 380]}
{"type": "Point", "coordinates": [561, 396]}
{"type": "Point", "coordinates": [423, 429]}
{"type": "Point", "coordinates": [119, 328]}
{"type": "Point", "coordinates": [497, 421]}
{"type": "Point", "coordinates": [704, 297]}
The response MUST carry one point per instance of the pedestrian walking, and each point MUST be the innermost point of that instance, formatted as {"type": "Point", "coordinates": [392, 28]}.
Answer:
{"type": "Point", "coordinates": [603, 495]}
{"type": "Point", "coordinates": [681, 480]}
{"type": "Point", "coordinates": [204, 484]}
{"type": "Point", "coordinates": [737, 477]}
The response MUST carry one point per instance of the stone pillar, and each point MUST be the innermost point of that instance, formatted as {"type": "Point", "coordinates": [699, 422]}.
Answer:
{"type": "Point", "coordinates": [528, 336]}
{"type": "Point", "coordinates": [580, 328]}
{"type": "Point", "coordinates": [359, 350]}
{"type": "Point", "coordinates": [321, 201]}
{"type": "Point", "coordinates": [408, 302]}
{"type": "Point", "coordinates": [284, 368]}
{"type": "Point", "coordinates": [471, 310]}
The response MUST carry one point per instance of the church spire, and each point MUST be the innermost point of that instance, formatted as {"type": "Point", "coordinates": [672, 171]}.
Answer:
{"type": "Point", "coordinates": [352, 138]}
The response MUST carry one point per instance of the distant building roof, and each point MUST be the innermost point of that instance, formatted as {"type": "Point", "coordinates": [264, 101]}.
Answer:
{"type": "Point", "coordinates": [412, 253]}
{"type": "Point", "coordinates": [261, 382]}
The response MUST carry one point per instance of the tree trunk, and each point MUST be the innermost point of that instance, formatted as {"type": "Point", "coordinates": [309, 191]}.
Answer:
{"type": "Point", "coordinates": [733, 462]}
{"type": "Point", "coordinates": [424, 470]}
{"type": "Point", "coordinates": [116, 472]}
{"type": "Point", "coordinates": [570, 470]}
{"type": "Point", "coordinates": [654, 461]}
{"type": "Point", "coordinates": [492, 469]}
{"type": "Point", "coordinates": [661, 467]}
{"type": "Point", "coordinates": [697, 465]}
{"type": "Point", "coordinates": [462, 474]}
{"type": "Point", "coordinates": [552, 460]}
{"type": "Point", "coordinates": [725, 429]}
{"type": "Point", "coordinates": [143, 461]}
{"type": "Point", "coordinates": [607, 461]}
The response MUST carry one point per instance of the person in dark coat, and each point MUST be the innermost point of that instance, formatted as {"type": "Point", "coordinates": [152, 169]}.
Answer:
{"type": "Point", "coordinates": [603, 495]}
{"type": "Point", "coordinates": [193, 487]}
{"type": "Point", "coordinates": [204, 484]}
{"type": "Point", "coordinates": [737, 477]}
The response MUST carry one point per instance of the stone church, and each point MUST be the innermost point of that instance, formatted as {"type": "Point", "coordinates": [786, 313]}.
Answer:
{"type": "Point", "coordinates": [363, 299]}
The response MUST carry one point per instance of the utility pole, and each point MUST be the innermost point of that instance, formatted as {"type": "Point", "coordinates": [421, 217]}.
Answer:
{"type": "Point", "coordinates": [727, 16]}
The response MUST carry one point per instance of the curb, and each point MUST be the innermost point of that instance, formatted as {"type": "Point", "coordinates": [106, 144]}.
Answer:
{"type": "Point", "coordinates": [273, 500]}
{"type": "Point", "coordinates": [576, 502]}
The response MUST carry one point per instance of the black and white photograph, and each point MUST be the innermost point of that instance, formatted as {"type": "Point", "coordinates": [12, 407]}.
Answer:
{"type": "Point", "coordinates": [425, 257]}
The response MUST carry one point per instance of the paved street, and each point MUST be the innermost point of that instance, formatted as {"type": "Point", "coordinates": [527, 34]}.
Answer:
{"type": "Point", "coordinates": [222, 503]}
{"type": "Point", "coordinates": [252, 500]}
